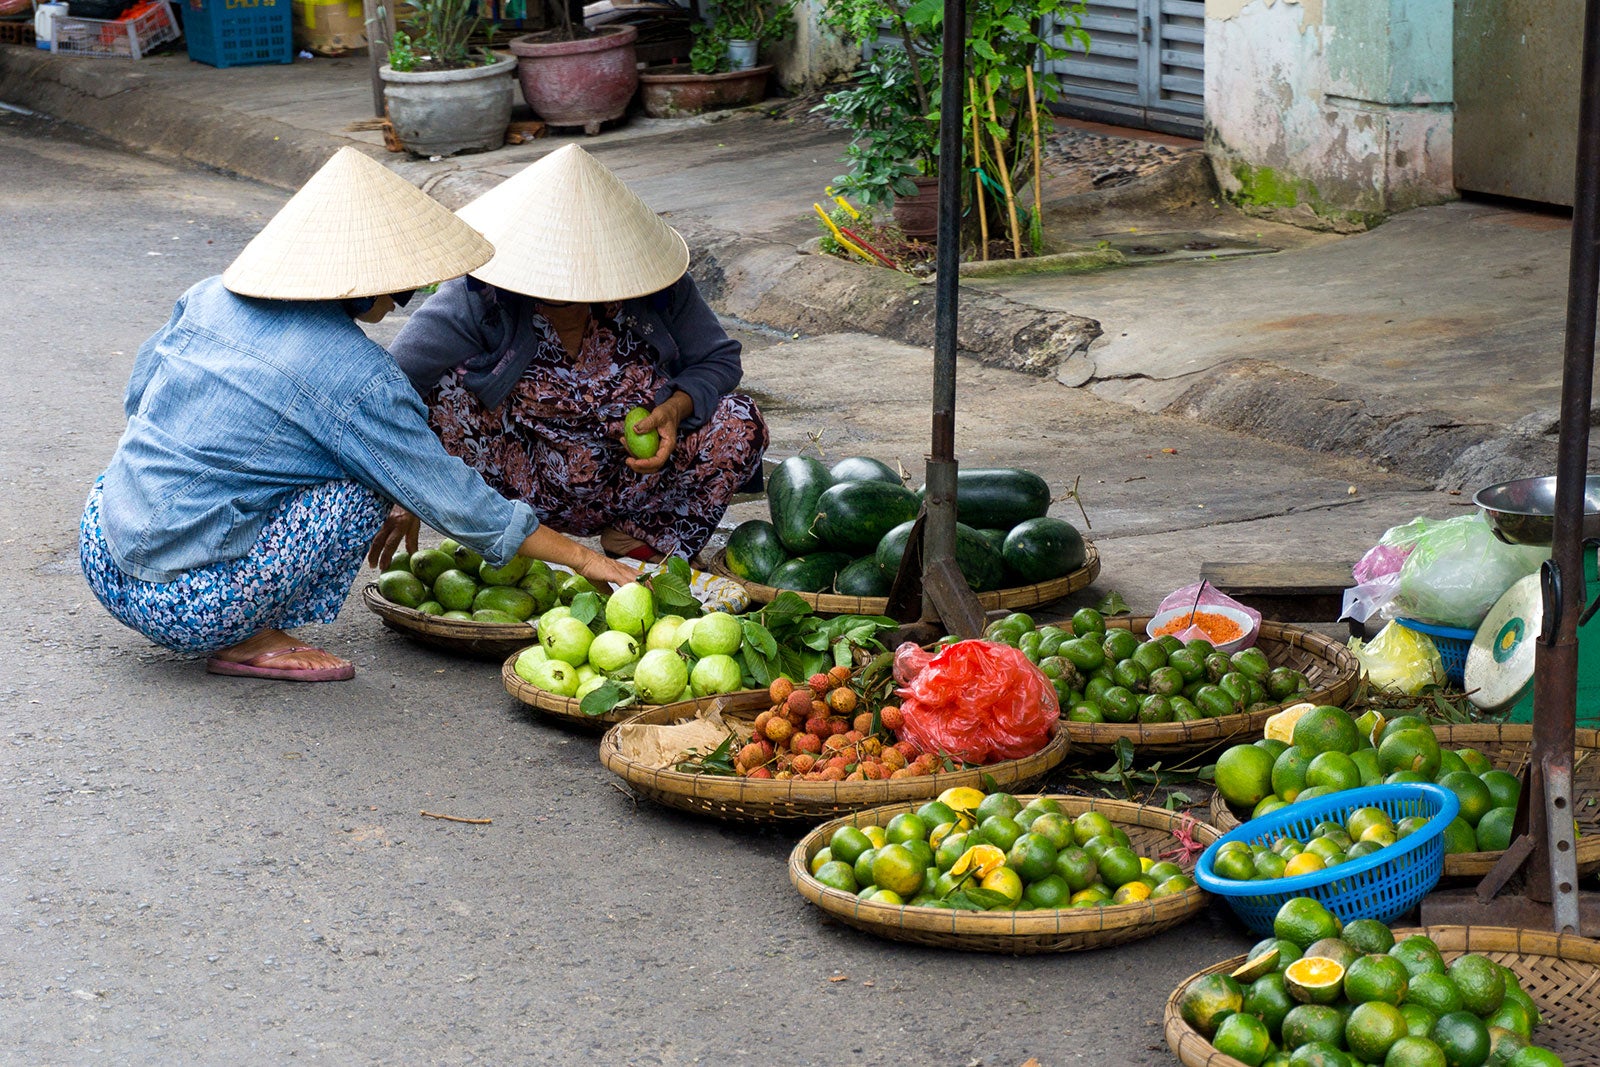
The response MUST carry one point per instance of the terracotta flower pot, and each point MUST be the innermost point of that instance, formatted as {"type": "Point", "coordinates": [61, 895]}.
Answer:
{"type": "Point", "coordinates": [442, 112]}
{"type": "Point", "coordinates": [578, 83]}
{"type": "Point", "coordinates": [918, 216]}
{"type": "Point", "coordinates": [676, 92]}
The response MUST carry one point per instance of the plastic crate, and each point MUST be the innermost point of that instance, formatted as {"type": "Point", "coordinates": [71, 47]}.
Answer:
{"type": "Point", "coordinates": [1453, 645]}
{"type": "Point", "coordinates": [239, 33]}
{"type": "Point", "coordinates": [130, 36]}
{"type": "Point", "coordinates": [1383, 886]}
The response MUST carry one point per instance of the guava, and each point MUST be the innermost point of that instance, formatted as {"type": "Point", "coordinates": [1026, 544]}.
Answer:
{"type": "Point", "coordinates": [560, 611]}
{"type": "Point", "coordinates": [631, 609]}
{"type": "Point", "coordinates": [639, 445]}
{"type": "Point", "coordinates": [589, 686]}
{"type": "Point", "coordinates": [685, 631]}
{"type": "Point", "coordinates": [612, 651]}
{"type": "Point", "coordinates": [716, 634]}
{"type": "Point", "coordinates": [510, 574]}
{"type": "Point", "coordinates": [660, 676]}
{"type": "Point", "coordinates": [566, 639]}
{"type": "Point", "coordinates": [527, 659]}
{"type": "Point", "coordinates": [716, 673]}
{"type": "Point", "coordinates": [555, 676]}
{"type": "Point", "coordinates": [664, 634]}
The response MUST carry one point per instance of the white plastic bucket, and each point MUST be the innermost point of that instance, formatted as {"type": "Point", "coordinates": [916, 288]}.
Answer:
{"type": "Point", "coordinates": [43, 16]}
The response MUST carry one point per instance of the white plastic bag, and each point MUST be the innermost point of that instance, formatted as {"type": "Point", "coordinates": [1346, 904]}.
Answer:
{"type": "Point", "coordinates": [1457, 570]}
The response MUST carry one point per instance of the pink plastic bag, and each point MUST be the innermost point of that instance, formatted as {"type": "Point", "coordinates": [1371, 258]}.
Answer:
{"type": "Point", "coordinates": [1210, 597]}
{"type": "Point", "coordinates": [976, 701]}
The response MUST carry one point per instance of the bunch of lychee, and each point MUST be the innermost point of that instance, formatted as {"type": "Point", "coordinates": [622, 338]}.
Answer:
{"type": "Point", "coordinates": [819, 732]}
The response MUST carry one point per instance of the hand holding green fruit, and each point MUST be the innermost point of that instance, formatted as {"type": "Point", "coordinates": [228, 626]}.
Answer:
{"type": "Point", "coordinates": [650, 436]}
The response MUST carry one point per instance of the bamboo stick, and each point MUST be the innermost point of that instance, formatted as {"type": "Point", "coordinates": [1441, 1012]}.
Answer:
{"type": "Point", "coordinates": [977, 169]}
{"type": "Point", "coordinates": [1005, 175]}
{"type": "Point", "coordinates": [1033, 110]}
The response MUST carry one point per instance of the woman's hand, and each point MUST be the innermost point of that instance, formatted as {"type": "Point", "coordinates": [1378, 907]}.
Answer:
{"type": "Point", "coordinates": [602, 569]}
{"type": "Point", "coordinates": [552, 547]}
{"type": "Point", "coordinates": [663, 420]}
{"type": "Point", "coordinates": [401, 525]}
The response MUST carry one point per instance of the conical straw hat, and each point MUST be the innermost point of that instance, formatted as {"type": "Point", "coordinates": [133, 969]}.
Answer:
{"type": "Point", "coordinates": [355, 229]}
{"type": "Point", "coordinates": [566, 228]}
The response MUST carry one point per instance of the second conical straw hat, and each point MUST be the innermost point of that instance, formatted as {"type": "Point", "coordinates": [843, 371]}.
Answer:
{"type": "Point", "coordinates": [566, 228]}
{"type": "Point", "coordinates": [355, 229]}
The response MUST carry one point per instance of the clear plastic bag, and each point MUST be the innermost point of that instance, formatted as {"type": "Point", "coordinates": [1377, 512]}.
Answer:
{"type": "Point", "coordinates": [1205, 595]}
{"type": "Point", "coordinates": [1399, 659]}
{"type": "Point", "coordinates": [1456, 571]}
{"type": "Point", "coordinates": [976, 701]}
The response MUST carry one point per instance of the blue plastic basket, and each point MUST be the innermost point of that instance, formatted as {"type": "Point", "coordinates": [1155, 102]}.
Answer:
{"type": "Point", "coordinates": [1383, 886]}
{"type": "Point", "coordinates": [1452, 643]}
{"type": "Point", "coordinates": [239, 33]}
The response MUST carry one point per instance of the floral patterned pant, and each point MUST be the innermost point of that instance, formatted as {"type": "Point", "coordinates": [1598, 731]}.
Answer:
{"type": "Point", "coordinates": [299, 571]}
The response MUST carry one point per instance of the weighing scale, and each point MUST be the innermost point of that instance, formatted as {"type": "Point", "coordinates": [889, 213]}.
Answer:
{"type": "Point", "coordinates": [1499, 670]}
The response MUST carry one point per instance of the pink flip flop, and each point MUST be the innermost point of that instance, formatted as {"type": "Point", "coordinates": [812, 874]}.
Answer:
{"type": "Point", "coordinates": [256, 667]}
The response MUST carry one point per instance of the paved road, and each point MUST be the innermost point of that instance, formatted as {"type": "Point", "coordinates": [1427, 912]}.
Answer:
{"type": "Point", "coordinates": [199, 870]}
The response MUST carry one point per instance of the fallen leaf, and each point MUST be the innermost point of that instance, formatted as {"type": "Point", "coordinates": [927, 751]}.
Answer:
{"type": "Point", "coordinates": [840, 978]}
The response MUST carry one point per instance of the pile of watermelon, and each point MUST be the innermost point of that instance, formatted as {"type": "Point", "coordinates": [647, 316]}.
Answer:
{"type": "Point", "coordinates": [845, 529]}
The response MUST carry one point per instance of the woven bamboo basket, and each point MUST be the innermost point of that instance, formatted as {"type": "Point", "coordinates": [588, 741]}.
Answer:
{"type": "Point", "coordinates": [1015, 599]}
{"type": "Point", "coordinates": [1016, 932]}
{"type": "Point", "coordinates": [1561, 972]}
{"type": "Point", "coordinates": [554, 706]}
{"type": "Point", "coordinates": [480, 640]}
{"type": "Point", "coordinates": [758, 800]}
{"type": "Point", "coordinates": [1331, 668]}
{"type": "Point", "coordinates": [1507, 745]}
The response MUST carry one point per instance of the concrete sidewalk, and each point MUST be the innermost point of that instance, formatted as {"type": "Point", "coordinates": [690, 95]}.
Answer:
{"type": "Point", "coordinates": [1429, 346]}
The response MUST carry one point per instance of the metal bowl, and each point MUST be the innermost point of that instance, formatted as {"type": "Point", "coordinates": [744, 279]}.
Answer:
{"type": "Point", "coordinates": [1523, 512]}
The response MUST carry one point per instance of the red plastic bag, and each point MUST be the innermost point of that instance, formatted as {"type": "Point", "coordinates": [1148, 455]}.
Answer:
{"type": "Point", "coordinates": [978, 702]}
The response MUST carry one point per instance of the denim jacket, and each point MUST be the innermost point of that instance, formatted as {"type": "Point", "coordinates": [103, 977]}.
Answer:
{"type": "Point", "coordinates": [237, 403]}
{"type": "Point", "coordinates": [489, 333]}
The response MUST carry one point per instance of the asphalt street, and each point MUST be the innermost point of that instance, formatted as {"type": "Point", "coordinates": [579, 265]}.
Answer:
{"type": "Point", "coordinates": [206, 870]}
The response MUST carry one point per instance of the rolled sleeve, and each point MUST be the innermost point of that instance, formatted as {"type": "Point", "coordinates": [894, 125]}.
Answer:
{"type": "Point", "coordinates": [709, 364]}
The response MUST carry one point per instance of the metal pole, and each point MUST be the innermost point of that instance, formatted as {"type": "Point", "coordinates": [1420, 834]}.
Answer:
{"type": "Point", "coordinates": [940, 530]}
{"type": "Point", "coordinates": [1553, 871]}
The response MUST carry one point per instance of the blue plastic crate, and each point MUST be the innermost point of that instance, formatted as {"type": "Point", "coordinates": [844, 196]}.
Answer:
{"type": "Point", "coordinates": [1383, 886]}
{"type": "Point", "coordinates": [239, 33]}
{"type": "Point", "coordinates": [1452, 643]}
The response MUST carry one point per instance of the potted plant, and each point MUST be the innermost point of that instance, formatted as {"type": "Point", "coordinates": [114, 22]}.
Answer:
{"type": "Point", "coordinates": [444, 95]}
{"type": "Point", "coordinates": [574, 76]}
{"type": "Point", "coordinates": [711, 81]}
{"type": "Point", "coordinates": [892, 110]}
{"type": "Point", "coordinates": [748, 25]}
{"type": "Point", "coordinates": [893, 155]}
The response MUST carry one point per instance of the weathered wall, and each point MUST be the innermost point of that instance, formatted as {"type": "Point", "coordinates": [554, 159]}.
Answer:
{"type": "Point", "coordinates": [1338, 110]}
{"type": "Point", "coordinates": [813, 55]}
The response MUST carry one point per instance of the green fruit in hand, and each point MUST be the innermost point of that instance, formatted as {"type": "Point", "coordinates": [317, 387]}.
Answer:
{"type": "Point", "coordinates": [640, 445]}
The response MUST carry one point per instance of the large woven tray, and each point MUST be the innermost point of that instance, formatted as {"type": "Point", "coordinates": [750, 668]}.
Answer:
{"type": "Point", "coordinates": [1330, 666]}
{"type": "Point", "coordinates": [1507, 745]}
{"type": "Point", "coordinates": [1015, 598]}
{"type": "Point", "coordinates": [480, 640]}
{"type": "Point", "coordinates": [1561, 972]}
{"type": "Point", "coordinates": [1017, 932]}
{"type": "Point", "coordinates": [757, 800]}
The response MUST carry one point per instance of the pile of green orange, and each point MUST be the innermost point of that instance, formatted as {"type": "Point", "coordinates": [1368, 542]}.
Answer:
{"type": "Point", "coordinates": [1106, 674]}
{"type": "Point", "coordinates": [976, 852]}
{"type": "Point", "coordinates": [1321, 993]}
{"type": "Point", "coordinates": [1313, 751]}
{"type": "Point", "coordinates": [1364, 831]}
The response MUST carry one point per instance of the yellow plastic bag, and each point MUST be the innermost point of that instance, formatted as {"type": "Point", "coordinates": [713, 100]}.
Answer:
{"type": "Point", "coordinates": [1399, 659]}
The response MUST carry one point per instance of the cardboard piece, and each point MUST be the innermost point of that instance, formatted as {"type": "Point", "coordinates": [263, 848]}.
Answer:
{"type": "Point", "coordinates": [336, 28]}
{"type": "Point", "coordinates": [664, 746]}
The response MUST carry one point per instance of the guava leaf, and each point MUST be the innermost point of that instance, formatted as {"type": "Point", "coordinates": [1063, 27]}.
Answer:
{"type": "Point", "coordinates": [759, 638]}
{"type": "Point", "coordinates": [1113, 604]}
{"type": "Point", "coordinates": [584, 607]}
{"type": "Point", "coordinates": [606, 697]}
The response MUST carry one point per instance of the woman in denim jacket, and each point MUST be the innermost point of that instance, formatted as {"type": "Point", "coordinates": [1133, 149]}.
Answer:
{"type": "Point", "coordinates": [529, 366]}
{"type": "Point", "coordinates": [267, 437]}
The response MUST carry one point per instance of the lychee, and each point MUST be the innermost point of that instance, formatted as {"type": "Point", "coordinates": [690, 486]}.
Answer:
{"type": "Point", "coordinates": [820, 683]}
{"type": "Point", "coordinates": [798, 701]}
{"type": "Point", "coordinates": [892, 717]}
{"type": "Point", "coordinates": [842, 700]}
{"type": "Point", "coordinates": [780, 689]}
{"type": "Point", "coordinates": [840, 675]}
{"type": "Point", "coordinates": [779, 730]}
